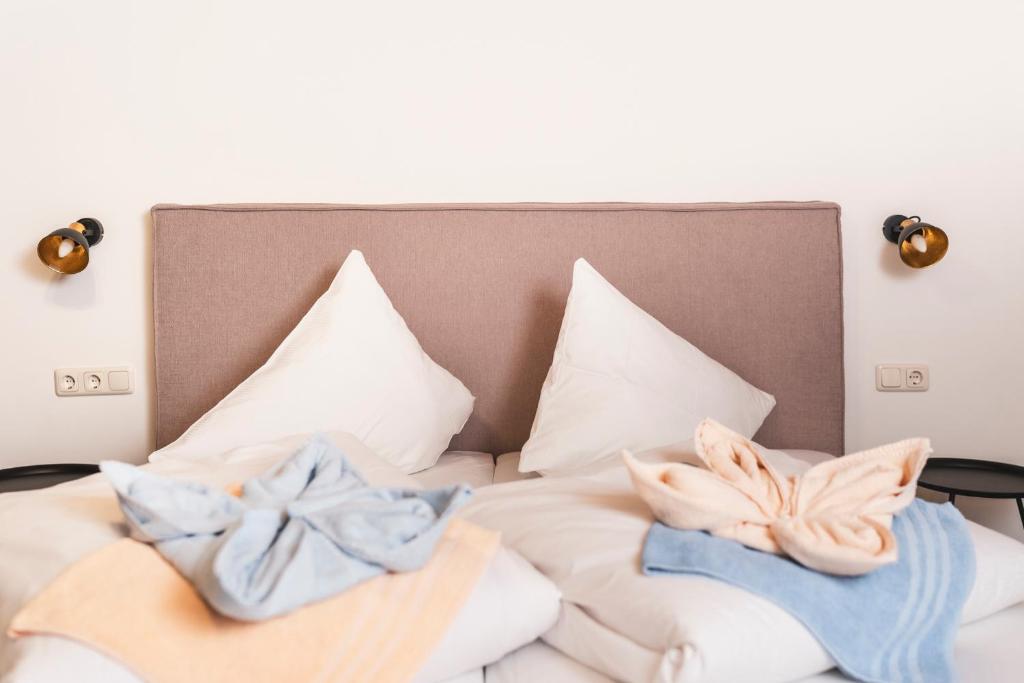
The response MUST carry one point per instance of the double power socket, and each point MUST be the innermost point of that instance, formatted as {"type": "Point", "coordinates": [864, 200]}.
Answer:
{"type": "Point", "coordinates": [901, 377]}
{"type": "Point", "coordinates": [95, 381]}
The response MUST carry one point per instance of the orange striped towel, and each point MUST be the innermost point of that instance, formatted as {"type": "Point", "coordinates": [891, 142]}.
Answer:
{"type": "Point", "coordinates": [128, 602]}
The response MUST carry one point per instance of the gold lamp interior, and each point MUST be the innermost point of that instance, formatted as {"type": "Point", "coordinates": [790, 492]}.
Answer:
{"type": "Point", "coordinates": [923, 245]}
{"type": "Point", "coordinates": [66, 251]}
{"type": "Point", "coordinates": [919, 244]}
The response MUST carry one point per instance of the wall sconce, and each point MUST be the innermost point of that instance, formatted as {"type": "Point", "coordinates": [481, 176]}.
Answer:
{"type": "Point", "coordinates": [920, 244]}
{"type": "Point", "coordinates": [67, 250]}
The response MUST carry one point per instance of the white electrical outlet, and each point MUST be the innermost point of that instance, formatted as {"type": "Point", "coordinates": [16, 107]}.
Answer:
{"type": "Point", "coordinates": [67, 382]}
{"type": "Point", "coordinates": [901, 377]}
{"type": "Point", "coordinates": [93, 381]}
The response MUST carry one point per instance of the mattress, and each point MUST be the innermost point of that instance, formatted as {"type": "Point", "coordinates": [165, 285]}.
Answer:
{"type": "Point", "coordinates": [506, 468]}
{"type": "Point", "coordinates": [458, 467]}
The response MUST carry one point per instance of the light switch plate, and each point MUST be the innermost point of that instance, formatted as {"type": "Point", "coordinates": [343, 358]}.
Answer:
{"type": "Point", "coordinates": [902, 377]}
{"type": "Point", "coordinates": [93, 381]}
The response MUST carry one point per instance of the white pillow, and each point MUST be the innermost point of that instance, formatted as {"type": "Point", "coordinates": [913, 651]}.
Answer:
{"type": "Point", "coordinates": [512, 605]}
{"type": "Point", "coordinates": [352, 365]}
{"type": "Point", "coordinates": [622, 380]}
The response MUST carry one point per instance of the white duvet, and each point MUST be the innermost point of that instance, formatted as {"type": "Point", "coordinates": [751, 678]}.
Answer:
{"type": "Point", "coordinates": [43, 532]}
{"type": "Point", "coordinates": [586, 533]}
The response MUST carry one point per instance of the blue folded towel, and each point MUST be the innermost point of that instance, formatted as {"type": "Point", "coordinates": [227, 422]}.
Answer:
{"type": "Point", "coordinates": [892, 625]}
{"type": "Point", "coordinates": [308, 528]}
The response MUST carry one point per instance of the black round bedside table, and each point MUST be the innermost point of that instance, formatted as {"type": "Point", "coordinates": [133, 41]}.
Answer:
{"type": "Point", "coordinates": [974, 478]}
{"type": "Point", "coordinates": [41, 476]}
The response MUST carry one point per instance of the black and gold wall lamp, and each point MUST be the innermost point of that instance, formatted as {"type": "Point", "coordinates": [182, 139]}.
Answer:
{"type": "Point", "coordinates": [920, 244]}
{"type": "Point", "coordinates": [67, 250]}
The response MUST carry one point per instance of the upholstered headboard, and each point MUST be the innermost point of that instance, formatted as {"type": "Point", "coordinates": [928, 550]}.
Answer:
{"type": "Point", "coordinates": [756, 286]}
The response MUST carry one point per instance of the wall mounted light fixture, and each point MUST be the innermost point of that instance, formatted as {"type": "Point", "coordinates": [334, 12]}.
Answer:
{"type": "Point", "coordinates": [920, 244]}
{"type": "Point", "coordinates": [67, 250]}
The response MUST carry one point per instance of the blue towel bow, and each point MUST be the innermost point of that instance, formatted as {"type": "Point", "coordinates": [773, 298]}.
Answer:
{"type": "Point", "coordinates": [893, 625]}
{"type": "Point", "coordinates": [308, 528]}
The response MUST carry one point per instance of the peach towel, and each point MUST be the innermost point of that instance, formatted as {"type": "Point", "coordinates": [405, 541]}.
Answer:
{"type": "Point", "coordinates": [836, 517]}
{"type": "Point", "coordinates": [128, 602]}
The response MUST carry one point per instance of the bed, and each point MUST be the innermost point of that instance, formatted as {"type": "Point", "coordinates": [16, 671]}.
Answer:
{"type": "Point", "coordinates": [483, 288]}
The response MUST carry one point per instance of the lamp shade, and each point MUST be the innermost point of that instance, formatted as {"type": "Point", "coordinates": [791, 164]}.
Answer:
{"type": "Point", "coordinates": [66, 250]}
{"type": "Point", "coordinates": [919, 244]}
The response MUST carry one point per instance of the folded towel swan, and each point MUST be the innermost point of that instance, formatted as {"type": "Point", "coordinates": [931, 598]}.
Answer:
{"type": "Point", "coordinates": [835, 518]}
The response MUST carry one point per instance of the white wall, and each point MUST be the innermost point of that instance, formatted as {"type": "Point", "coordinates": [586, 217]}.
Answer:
{"type": "Point", "coordinates": [110, 107]}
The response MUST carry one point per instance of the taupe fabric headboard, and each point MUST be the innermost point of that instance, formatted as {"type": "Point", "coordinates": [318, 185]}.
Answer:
{"type": "Point", "coordinates": [756, 286]}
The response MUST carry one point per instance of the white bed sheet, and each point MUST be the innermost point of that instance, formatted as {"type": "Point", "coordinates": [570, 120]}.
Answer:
{"type": "Point", "coordinates": [458, 467]}
{"type": "Point", "coordinates": [987, 651]}
{"type": "Point", "coordinates": [474, 676]}
{"type": "Point", "coordinates": [506, 466]}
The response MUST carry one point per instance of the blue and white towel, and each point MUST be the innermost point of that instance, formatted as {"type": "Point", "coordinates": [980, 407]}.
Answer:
{"type": "Point", "coordinates": [308, 528]}
{"type": "Point", "coordinates": [893, 625]}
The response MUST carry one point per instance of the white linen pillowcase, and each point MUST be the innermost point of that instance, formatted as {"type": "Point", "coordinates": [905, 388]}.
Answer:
{"type": "Point", "coordinates": [512, 605]}
{"type": "Point", "coordinates": [620, 379]}
{"type": "Point", "coordinates": [351, 364]}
